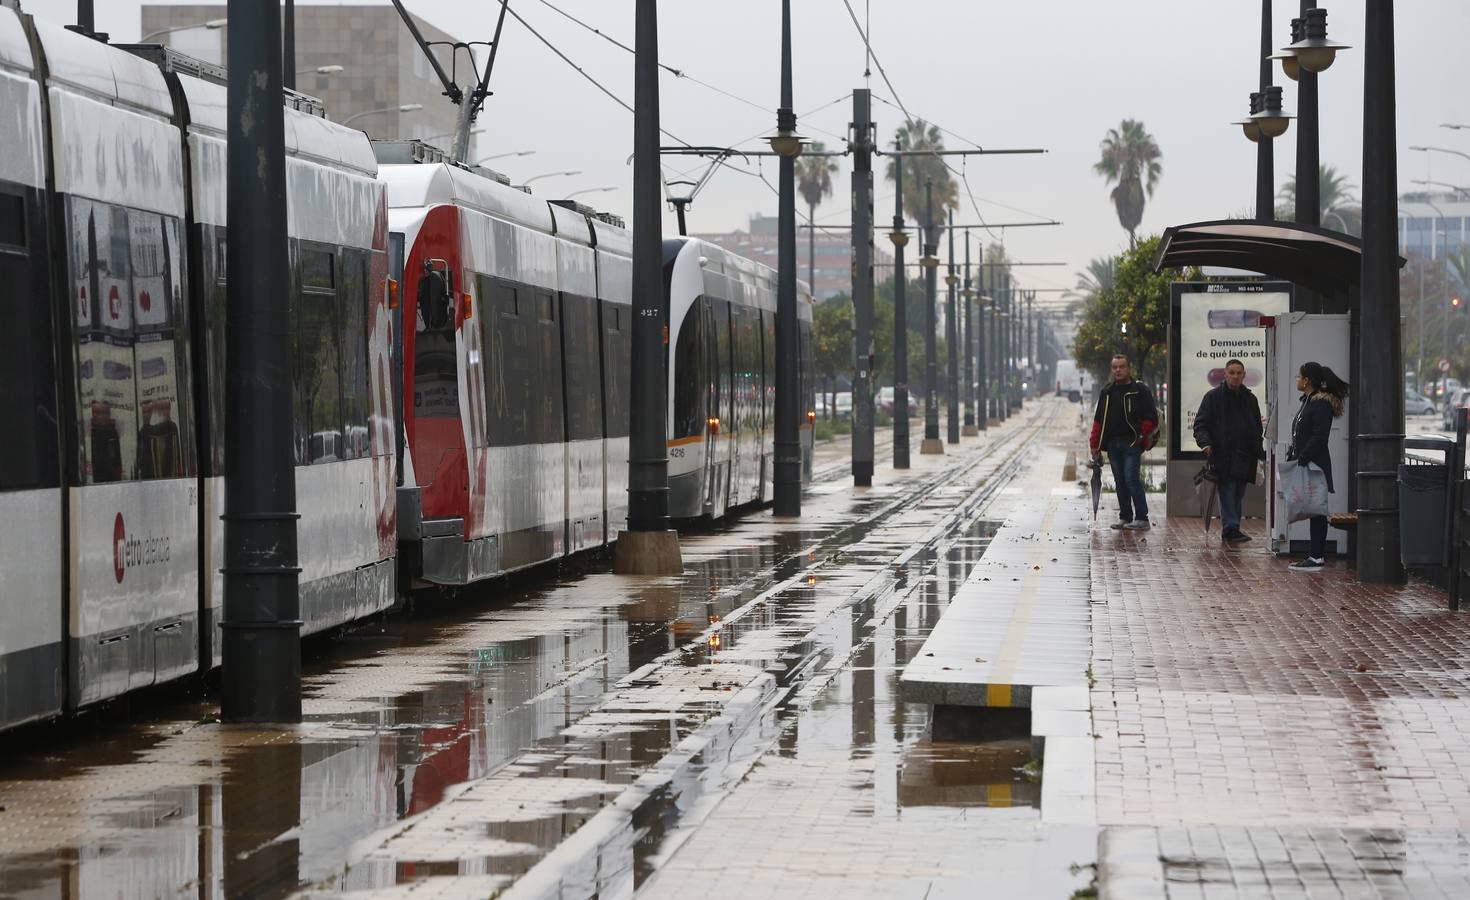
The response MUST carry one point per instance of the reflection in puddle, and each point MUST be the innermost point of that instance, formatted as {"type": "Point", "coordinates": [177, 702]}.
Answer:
{"type": "Point", "coordinates": [400, 718]}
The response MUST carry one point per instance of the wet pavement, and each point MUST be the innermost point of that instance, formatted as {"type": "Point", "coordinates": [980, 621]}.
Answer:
{"type": "Point", "coordinates": [564, 733]}
{"type": "Point", "coordinates": [1266, 733]}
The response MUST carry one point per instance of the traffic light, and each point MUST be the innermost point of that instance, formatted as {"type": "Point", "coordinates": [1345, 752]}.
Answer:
{"type": "Point", "coordinates": [1456, 303]}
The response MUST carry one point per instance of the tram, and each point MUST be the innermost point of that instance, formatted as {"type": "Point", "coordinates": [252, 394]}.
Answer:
{"type": "Point", "coordinates": [461, 356]}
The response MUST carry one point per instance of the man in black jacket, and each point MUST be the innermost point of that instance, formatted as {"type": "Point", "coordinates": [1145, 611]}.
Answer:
{"type": "Point", "coordinates": [1125, 424]}
{"type": "Point", "coordinates": [1228, 427]}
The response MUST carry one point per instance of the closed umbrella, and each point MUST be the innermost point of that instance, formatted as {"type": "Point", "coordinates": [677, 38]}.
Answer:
{"type": "Point", "coordinates": [1207, 487]}
{"type": "Point", "coordinates": [1096, 464]}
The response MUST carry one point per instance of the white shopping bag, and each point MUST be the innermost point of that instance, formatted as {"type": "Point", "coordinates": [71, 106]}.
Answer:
{"type": "Point", "coordinates": [1302, 488]}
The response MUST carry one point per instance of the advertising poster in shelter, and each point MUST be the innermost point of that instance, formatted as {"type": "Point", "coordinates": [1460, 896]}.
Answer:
{"type": "Point", "coordinates": [1218, 323]}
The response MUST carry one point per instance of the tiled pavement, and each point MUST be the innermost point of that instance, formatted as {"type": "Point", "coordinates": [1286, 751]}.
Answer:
{"type": "Point", "coordinates": [1286, 735]}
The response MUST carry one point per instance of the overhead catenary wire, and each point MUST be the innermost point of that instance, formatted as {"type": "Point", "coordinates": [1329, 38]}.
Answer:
{"type": "Point", "coordinates": [672, 70]}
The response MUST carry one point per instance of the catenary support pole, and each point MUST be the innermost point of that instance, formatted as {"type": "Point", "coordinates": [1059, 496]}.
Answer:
{"type": "Point", "coordinates": [900, 328]}
{"type": "Point", "coordinates": [932, 443]}
{"type": "Point", "coordinates": [288, 43]}
{"type": "Point", "coordinates": [788, 440]}
{"type": "Point", "coordinates": [863, 135]}
{"type": "Point", "coordinates": [982, 355]}
{"type": "Point", "coordinates": [86, 18]}
{"type": "Point", "coordinates": [1380, 398]}
{"type": "Point", "coordinates": [1265, 146]}
{"type": "Point", "coordinates": [952, 344]}
{"type": "Point", "coordinates": [1308, 150]}
{"type": "Point", "coordinates": [648, 546]}
{"type": "Point", "coordinates": [968, 385]}
{"type": "Point", "coordinates": [261, 644]}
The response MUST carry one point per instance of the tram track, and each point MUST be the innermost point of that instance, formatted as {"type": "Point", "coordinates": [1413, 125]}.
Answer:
{"type": "Point", "coordinates": [763, 660]}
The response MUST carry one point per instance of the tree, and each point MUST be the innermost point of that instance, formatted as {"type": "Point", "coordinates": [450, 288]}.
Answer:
{"type": "Point", "coordinates": [832, 337]}
{"type": "Point", "coordinates": [1340, 209]}
{"type": "Point", "coordinates": [915, 134]}
{"type": "Point", "coordinates": [1130, 160]}
{"type": "Point", "coordinates": [814, 181]}
{"type": "Point", "coordinates": [1100, 276]}
{"type": "Point", "coordinates": [1138, 298]}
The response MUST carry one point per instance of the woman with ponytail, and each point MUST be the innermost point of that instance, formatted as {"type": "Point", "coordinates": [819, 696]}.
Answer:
{"type": "Point", "coordinates": [1322, 397]}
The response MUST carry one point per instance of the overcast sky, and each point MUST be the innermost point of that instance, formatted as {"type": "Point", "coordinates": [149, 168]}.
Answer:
{"type": "Point", "coordinates": [999, 73]}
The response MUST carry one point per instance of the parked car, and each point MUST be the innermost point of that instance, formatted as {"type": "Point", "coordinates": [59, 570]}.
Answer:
{"type": "Point", "coordinates": [841, 405]}
{"type": "Point", "coordinates": [1458, 399]}
{"type": "Point", "coordinates": [1416, 404]}
{"type": "Point", "coordinates": [885, 401]}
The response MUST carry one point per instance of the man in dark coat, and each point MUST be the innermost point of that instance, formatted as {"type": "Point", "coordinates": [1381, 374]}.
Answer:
{"type": "Point", "coordinates": [1228, 427]}
{"type": "Point", "coordinates": [1125, 424]}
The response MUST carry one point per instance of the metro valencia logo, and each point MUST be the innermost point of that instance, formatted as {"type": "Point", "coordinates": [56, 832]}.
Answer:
{"type": "Point", "coordinates": [132, 552]}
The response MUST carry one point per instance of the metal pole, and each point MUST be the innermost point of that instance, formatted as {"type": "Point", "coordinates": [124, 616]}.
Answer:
{"type": "Point", "coordinates": [952, 345]}
{"type": "Point", "coordinates": [86, 20]}
{"type": "Point", "coordinates": [1380, 410]}
{"type": "Point", "coordinates": [968, 387]}
{"type": "Point", "coordinates": [648, 546]}
{"type": "Point", "coordinates": [261, 646]}
{"type": "Point", "coordinates": [862, 287]}
{"type": "Point", "coordinates": [288, 44]}
{"type": "Point", "coordinates": [788, 445]}
{"type": "Point", "coordinates": [1308, 153]}
{"type": "Point", "coordinates": [1032, 368]}
{"type": "Point", "coordinates": [1265, 146]}
{"type": "Point", "coordinates": [982, 357]}
{"type": "Point", "coordinates": [900, 332]}
{"type": "Point", "coordinates": [932, 443]}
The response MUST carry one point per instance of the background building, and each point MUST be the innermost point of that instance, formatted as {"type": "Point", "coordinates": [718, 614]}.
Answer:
{"type": "Point", "coordinates": [1431, 224]}
{"type": "Point", "coordinates": [382, 66]}
{"type": "Point", "coordinates": [833, 253]}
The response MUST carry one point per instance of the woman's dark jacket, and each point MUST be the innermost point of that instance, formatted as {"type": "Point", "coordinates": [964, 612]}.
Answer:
{"type": "Point", "coordinates": [1310, 429]}
{"type": "Point", "coordinates": [1229, 423]}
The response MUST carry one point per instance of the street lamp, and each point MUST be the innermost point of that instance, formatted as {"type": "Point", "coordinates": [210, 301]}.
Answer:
{"type": "Point", "coordinates": [1270, 118]}
{"type": "Point", "coordinates": [1312, 52]}
{"type": "Point", "coordinates": [1454, 187]}
{"type": "Point", "coordinates": [596, 190]}
{"type": "Point", "coordinates": [1440, 150]}
{"type": "Point", "coordinates": [405, 108]}
{"type": "Point", "coordinates": [551, 175]}
{"type": "Point", "coordinates": [504, 155]}
{"type": "Point", "coordinates": [212, 25]}
{"type": "Point", "coordinates": [320, 70]}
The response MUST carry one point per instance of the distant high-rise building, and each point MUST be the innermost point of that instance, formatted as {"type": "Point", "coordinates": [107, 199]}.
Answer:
{"type": "Point", "coordinates": [833, 254]}
{"type": "Point", "coordinates": [382, 65]}
{"type": "Point", "coordinates": [1433, 224]}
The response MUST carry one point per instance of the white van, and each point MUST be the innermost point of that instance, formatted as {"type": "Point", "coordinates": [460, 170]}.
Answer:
{"type": "Point", "coordinates": [1070, 380]}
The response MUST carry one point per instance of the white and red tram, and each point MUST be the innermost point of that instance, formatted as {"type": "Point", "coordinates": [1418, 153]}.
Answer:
{"type": "Point", "coordinates": [479, 427]}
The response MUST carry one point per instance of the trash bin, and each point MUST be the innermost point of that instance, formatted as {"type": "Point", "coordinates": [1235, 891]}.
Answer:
{"type": "Point", "coordinates": [1424, 501]}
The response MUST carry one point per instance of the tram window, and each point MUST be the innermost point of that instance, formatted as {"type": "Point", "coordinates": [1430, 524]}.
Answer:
{"type": "Point", "coordinates": [12, 221]}
{"type": "Point", "coordinates": [317, 269]}
{"type": "Point", "coordinates": [318, 382]}
{"type": "Point", "coordinates": [689, 378]}
{"type": "Point", "coordinates": [27, 405]}
{"type": "Point", "coordinates": [508, 372]}
{"type": "Point", "coordinates": [155, 356]}
{"type": "Point", "coordinates": [583, 374]}
{"type": "Point", "coordinates": [354, 304]}
{"type": "Point", "coordinates": [546, 387]}
{"type": "Point", "coordinates": [107, 399]}
{"type": "Point", "coordinates": [616, 371]}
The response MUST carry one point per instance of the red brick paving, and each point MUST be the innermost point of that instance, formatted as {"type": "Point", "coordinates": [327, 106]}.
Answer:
{"type": "Point", "coordinates": [1232, 691]}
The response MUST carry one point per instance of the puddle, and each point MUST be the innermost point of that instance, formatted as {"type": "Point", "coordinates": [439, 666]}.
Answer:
{"type": "Point", "coordinates": [400, 716]}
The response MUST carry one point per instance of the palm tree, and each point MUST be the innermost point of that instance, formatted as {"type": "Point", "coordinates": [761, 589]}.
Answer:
{"type": "Point", "coordinates": [1335, 194]}
{"type": "Point", "coordinates": [1130, 157]}
{"type": "Point", "coordinates": [814, 181]}
{"type": "Point", "coordinates": [1099, 278]}
{"type": "Point", "coordinates": [916, 134]}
